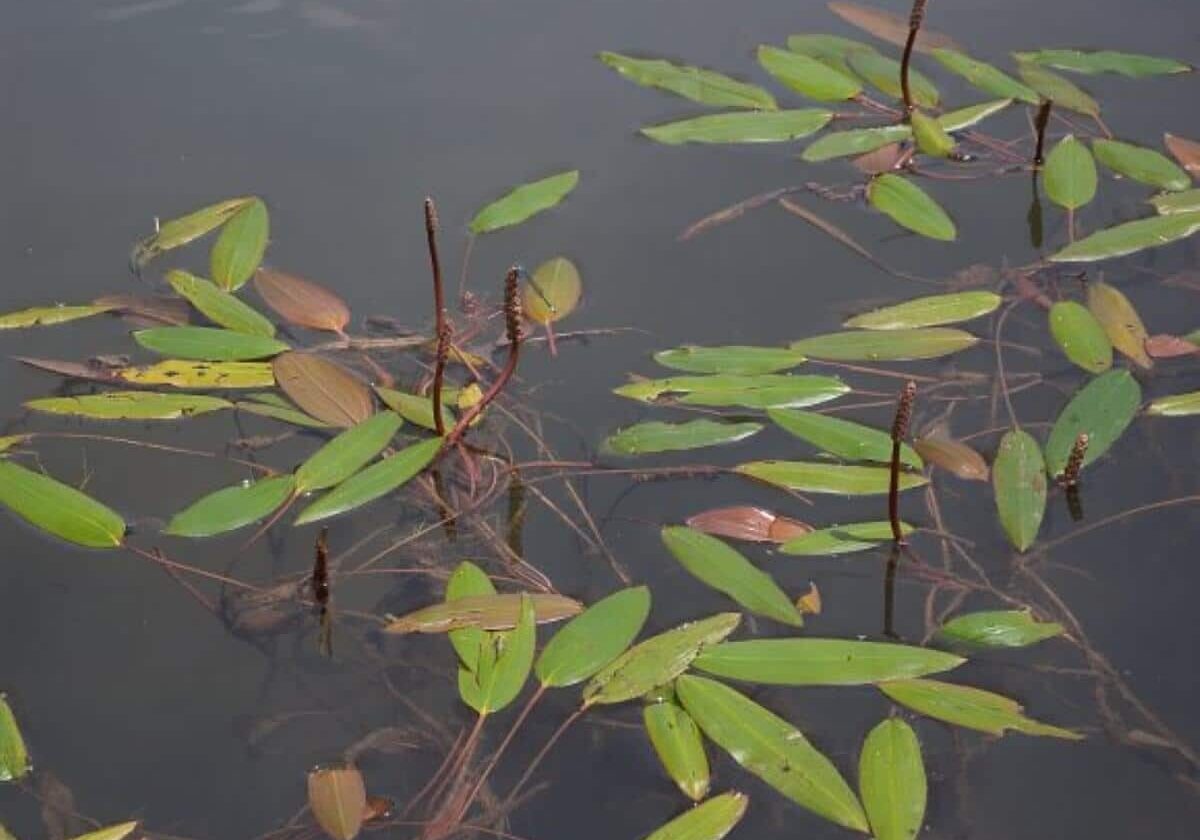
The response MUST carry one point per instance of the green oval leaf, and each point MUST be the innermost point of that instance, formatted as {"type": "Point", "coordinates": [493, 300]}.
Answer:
{"type": "Point", "coordinates": [999, 629]}
{"type": "Point", "coordinates": [855, 141]}
{"type": "Point", "coordinates": [910, 207]}
{"type": "Point", "coordinates": [883, 73]}
{"type": "Point", "coordinates": [1070, 174]}
{"type": "Point", "coordinates": [1141, 164]}
{"type": "Point", "coordinates": [808, 76]}
{"type": "Point", "coordinates": [842, 539]}
{"type": "Point", "coordinates": [233, 507]}
{"type": "Point", "coordinates": [677, 742]}
{"type": "Point", "coordinates": [218, 305]}
{"type": "Point", "coordinates": [1019, 483]}
{"type": "Point", "coordinates": [1134, 65]}
{"type": "Point", "coordinates": [523, 202]}
{"type": "Point", "coordinates": [1054, 87]}
{"type": "Point", "coordinates": [375, 481]}
{"type": "Point", "coordinates": [984, 76]}
{"type": "Point", "coordinates": [973, 708]}
{"type": "Point", "coordinates": [772, 749]}
{"type": "Point", "coordinates": [240, 247]}
{"type": "Point", "coordinates": [889, 346]}
{"type": "Point", "coordinates": [130, 405]}
{"type": "Point", "coordinates": [929, 311]}
{"type": "Point", "coordinates": [14, 756]}
{"type": "Point", "coordinates": [208, 344]}
{"type": "Point", "coordinates": [726, 570]}
{"type": "Point", "coordinates": [709, 820]}
{"type": "Point", "coordinates": [1168, 204]}
{"type": "Point", "coordinates": [553, 291]}
{"type": "Point", "coordinates": [736, 359]}
{"type": "Point", "coordinates": [804, 477]}
{"type": "Point", "coordinates": [1176, 405]}
{"type": "Point", "coordinates": [347, 453]}
{"type": "Point", "coordinates": [891, 779]}
{"type": "Point", "coordinates": [846, 439]}
{"type": "Point", "coordinates": [503, 665]}
{"type": "Point", "coordinates": [952, 455]}
{"type": "Point", "coordinates": [178, 232]}
{"type": "Point", "coordinates": [931, 138]}
{"type": "Point", "coordinates": [694, 83]}
{"type": "Point", "coordinates": [44, 316]}
{"type": "Point", "coordinates": [751, 127]}
{"type": "Point", "coordinates": [1080, 336]}
{"type": "Point", "coordinates": [1130, 237]}
{"type": "Point", "coordinates": [830, 50]}
{"type": "Point", "coordinates": [1102, 410]}
{"type": "Point", "coordinates": [723, 390]}
{"type": "Point", "coordinates": [58, 509]}
{"type": "Point", "coordinates": [593, 639]}
{"type": "Point", "coordinates": [821, 661]}
{"type": "Point", "coordinates": [651, 437]}
{"type": "Point", "coordinates": [415, 409]}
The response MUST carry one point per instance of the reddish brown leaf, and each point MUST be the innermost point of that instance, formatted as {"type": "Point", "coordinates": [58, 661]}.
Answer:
{"type": "Point", "coordinates": [377, 808]}
{"type": "Point", "coordinates": [784, 529]}
{"type": "Point", "coordinates": [337, 798]}
{"type": "Point", "coordinates": [323, 389]}
{"type": "Point", "coordinates": [1169, 346]}
{"type": "Point", "coordinates": [152, 309]}
{"type": "Point", "coordinates": [302, 302]}
{"type": "Point", "coordinates": [75, 370]}
{"type": "Point", "coordinates": [1187, 152]}
{"type": "Point", "coordinates": [889, 27]}
{"type": "Point", "coordinates": [954, 456]}
{"type": "Point", "coordinates": [747, 523]}
{"type": "Point", "coordinates": [810, 602]}
{"type": "Point", "coordinates": [883, 159]}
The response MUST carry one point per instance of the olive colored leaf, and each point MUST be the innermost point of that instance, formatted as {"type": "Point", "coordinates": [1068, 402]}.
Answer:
{"type": "Point", "coordinates": [233, 507]}
{"type": "Point", "coordinates": [375, 481]}
{"type": "Point", "coordinates": [745, 522]}
{"type": "Point", "coordinates": [724, 569]}
{"type": "Point", "coordinates": [742, 127]}
{"type": "Point", "coordinates": [973, 708]}
{"type": "Point", "coordinates": [1176, 405]}
{"type": "Point", "coordinates": [277, 408]}
{"type": "Point", "coordinates": [890, 345]}
{"type": "Point", "coordinates": [1089, 62]}
{"type": "Point", "coordinates": [695, 83]}
{"type": "Point", "coordinates": [953, 456]}
{"type": "Point", "coordinates": [337, 797]}
{"type": "Point", "coordinates": [724, 390]}
{"type": "Point", "coordinates": [1186, 151]}
{"type": "Point", "coordinates": [844, 438]}
{"type": "Point", "coordinates": [891, 781]}
{"type": "Point", "coordinates": [854, 141]}
{"type": "Point", "coordinates": [1165, 346]}
{"type": "Point", "coordinates": [218, 305]}
{"type": "Point", "coordinates": [931, 138]}
{"type": "Point", "coordinates": [929, 311]}
{"type": "Point", "coordinates": [984, 76]}
{"type": "Point", "coordinates": [503, 665]}
{"type": "Point", "coordinates": [677, 742]}
{"type": "Point", "coordinates": [415, 409]}
{"type": "Point", "coordinates": [830, 50]}
{"type": "Point", "coordinates": [301, 302]}
{"type": "Point", "coordinates": [772, 749]}
{"type": "Point", "coordinates": [347, 453]}
{"type": "Point", "coordinates": [208, 344]}
{"type": "Point", "coordinates": [847, 480]}
{"type": "Point", "coordinates": [657, 660]}
{"type": "Point", "coordinates": [1019, 483]}
{"type": "Point", "coordinates": [323, 388]}
{"type": "Point", "coordinates": [842, 539]}
{"type": "Point", "coordinates": [179, 232]}
{"type": "Point", "coordinates": [883, 73]}
{"type": "Point", "coordinates": [184, 373]}
{"type": "Point", "coordinates": [1054, 87]}
{"type": "Point", "coordinates": [1141, 164]}
{"type": "Point", "coordinates": [889, 27]}
{"type": "Point", "coordinates": [44, 316]}
{"type": "Point", "coordinates": [1102, 410]}
{"type": "Point", "coordinates": [487, 612]}
{"type": "Point", "coordinates": [821, 661]}
{"type": "Point", "coordinates": [910, 207]}
{"type": "Point", "coordinates": [1187, 201]}
{"type": "Point", "coordinates": [971, 115]}
{"type": "Point", "coordinates": [594, 638]}
{"type": "Point", "coordinates": [1080, 336]}
{"type": "Point", "coordinates": [807, 75]}
{"type": "Point", "coordinates": [735, 359]}
{"type": "Point", "coordinates": [1120, 321]}
{"type": "Point", "coordinates": [553, 291]}
{"type": "Point", "coordinates": [999, 629]}
{"type": "Point", "coordinates": [7, 442]}
{"type": "Point", "coordinates": [240, 247]}
{"type": "Point", "coordinates": [130, 405]}
{"type": "Point", "coordinates": [1130, 237]}
{"type": "Point", "coordinates": [468, 581]}
{"type": "Point", "coordinates": [524, 201]}
{"type": "Point", "coordinates": [651, 437]}
{"type": "Point", "coordinates": [112, 832]}
{"type": "Point", "coordinates": [1070, 174]}
{"type": "Point", "coordinates": [5, 834]}
{"type": "Point", "coordinates": [59, 509]}
{"type": "Point", "coordinates": [14, 756]}
{"type": "Point", "coordinates": [709, 820]}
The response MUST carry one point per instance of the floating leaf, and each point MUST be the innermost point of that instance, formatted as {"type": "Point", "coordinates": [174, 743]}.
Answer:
{"type": "Point", "coordinates": [1186, 151]}
{"type": "Point", "coordinates": [1057, 89]}
{"type": "Point", "coordinates": [694, 83]}
{"type": "Point", "coordinates": [889, 346]}
{"type": "Point", "coordinates": [337, 798]}
{"type": "Point", "coordinates": [821, 661]}
{"type": "Point", "coordinates": [736, 127]}
{"type": "Point", "coordinates": [843, 438]}
{"type": "Point", "coordinates": [930, 311]}
{"type": "Point", "coordinates": [808, 76]}
{"type": "Point", "coordinates": [748, 523]}
{"type": "Point", "coordinates": [185, 229]}
{"type": "Point", "coordinates": [302, 302]}
{"type": "Point", "coordinates": [1176, 405]}
{"type": "Point", "coordinates": [842, 539]}
{"type": "Point", "coordinates": [1019, 482]}
{"type": "Point", "coordinates": [181, 373]}
{"type": "Point", "coordinates": [772, 749]}
{"type": "Point", "coordinates": [735, 359]}
{"type": "Point", "coordinates": [44, 316]}
{"type": "Point", "coordinates": [58, 509]}
{"type": "Point", "coordinates": [931, 138]}
{"type": "Point", "coordinates": [487, 612]}
{"type": "Point", "coordinates": [147, 309]}
{"type": "Point", "coordinates": [954, 456]}
{"type": "Point", "coordinates": [1167, 204]}
{"type": "Point", "coordinates": [651, 437]}
{"type": "Point", "coordinates": [1080, 336]}
{"type": "Point", "coordinates": [984, 76]}
{"type": "Point", "coordinates": [1070, 174]}
{"type": "Point", "coordinates": [1141, 164]}
{"type": "Point", "coordinates": [7, 442]}
{"type": "Point", "coordinates": [889, 27]}
{"type": "Point", "coordinates": [553, 292]}
{"type": "Point", "coordinates": [1120, 321]}
{"type": "Point", "coordinates": [130, 405]}
{"type": "Point", "coordinates": [218, 305]}
{"type": "Point", "coordinates": [973, 708]}
{"type": "Point", "coordinates": [884, 73]}
{"type": "Point", "coordinates": [1102, 410]}
{"type": "Point", "coordinates": [503, 664]}
{"type": "Point", "coordinates": [679, 746]}
{"type": "Point", "coordinates": [14, 757]}
{"type": "Point", "coordinates": [594, 638]}
{"type": "Point", "coordinates": [524, 201]}
{"type": "Point", "coordinates": [804, 477]}
{"type": "Point", "coordinates": [910, 207]}
{"type": "Point", "coordinates": [240, 247]}
{"type": "Point", "coordinates": [724, 569]}
{"type": "Point", "coordinates": [709, 820]}
{"type": "Point", "coordinates": [855, 141]}
{"type": "Point", "coordinates": [347, 453]}
{"type": "Point", "coordinates": [884, 159]}
{"type": "Point", "coordinates": [208, 344]}
{"type": "Point", "coordinates": [1134, 65]}
{"type": "Point", "coordinates": [1130, 237]}
{"type": "Point", "coordinates": [277, 408]}
{"type": "Point", "coordinates": [763, 391]}
{"type": "Point", "coordinates": [468, 581]}
{"type": "Point", "coordinates": [415, 409]}
{"type": "Point", "coordinates": [324, 389]}
{"type": "Point", "coordinates": [1169, 347]}
{"type": "Point", "coordinates": [375, 481]}
{"type": "Point", "coordinates": [828, 49]}
{"type": "Point", "coordinates": [999, 629]}
{"type": "Point", "coordinates": [962, 118]}
{"type": "Point", "coordinates": [112, 832]}
{"type": "Point", "coordinates": [891, 780]}
{"type": "Point", "coordinates": [657, 660]}
{"type": "Point", "coordinates": [233, 507]}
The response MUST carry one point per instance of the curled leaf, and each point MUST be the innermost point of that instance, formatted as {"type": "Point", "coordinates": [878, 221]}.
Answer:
{"type": "Point", "coordinates": [748, 523]}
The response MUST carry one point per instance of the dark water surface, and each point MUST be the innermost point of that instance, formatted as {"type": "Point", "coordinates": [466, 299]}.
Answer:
{"type": "Point", "coordinates": [343, 115]}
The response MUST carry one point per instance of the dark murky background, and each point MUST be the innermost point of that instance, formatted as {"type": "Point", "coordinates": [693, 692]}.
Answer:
{"type": "Point", "coordinates": [343, 115]}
